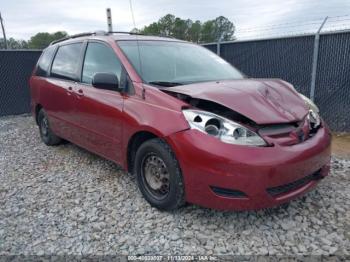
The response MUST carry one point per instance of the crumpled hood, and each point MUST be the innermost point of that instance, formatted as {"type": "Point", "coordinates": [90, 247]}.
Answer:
{"type": "Point", "coordinates": [265, 101]}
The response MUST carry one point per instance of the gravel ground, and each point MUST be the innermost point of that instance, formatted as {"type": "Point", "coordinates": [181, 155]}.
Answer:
{"type": "Point", "coordinates": [65, 200]}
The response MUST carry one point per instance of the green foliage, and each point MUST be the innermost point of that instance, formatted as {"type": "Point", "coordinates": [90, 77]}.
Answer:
{"type": "Point", "coordinates": [42, 40]}
{"type": "Point", "coordinates": [13, 44]}
{"type": "Point", "coordinates": [152, 29]}
{"type": "Point", "coordinates": [135, 30]}
{"type": "Point", "coordinates": [219, 28]}
{"type": "Point", "coordinates": [194, 32]}
{"type": "Point", "coordinates": [17, 44]}
{"type": "Point", "coordinates": [38, 41]}
{"type": "Point", "coordinates": [224, 28]}
{"type": "Point", "coordinates": [208, 32]}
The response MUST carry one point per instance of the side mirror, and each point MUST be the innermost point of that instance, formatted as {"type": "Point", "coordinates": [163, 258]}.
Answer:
{"type": "Point", "coordinates": [108, 81]}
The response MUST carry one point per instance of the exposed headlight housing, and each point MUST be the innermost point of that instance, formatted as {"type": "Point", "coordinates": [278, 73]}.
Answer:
{"type": "Point", "coordinates": [314, 119]}
{"type": "Point", "coordinates": [310, 104]}
{"type": "Point", "coordinates": [313, 116]}
{"type": "Point", "coordinates": [222, 128]}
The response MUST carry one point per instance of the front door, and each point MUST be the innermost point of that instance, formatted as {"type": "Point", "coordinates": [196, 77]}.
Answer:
{"type": "Point", "coordinates": [98, 112]}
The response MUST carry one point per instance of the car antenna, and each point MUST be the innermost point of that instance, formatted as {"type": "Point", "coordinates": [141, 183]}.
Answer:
{"type": "Point", "coordinates": [138, 47]}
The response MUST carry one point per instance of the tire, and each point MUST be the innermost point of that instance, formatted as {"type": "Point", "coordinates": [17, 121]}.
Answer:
{"type": "Point", "coordinates": [46, 134]}
{"type": "Point", "coordinates": [155, 163]}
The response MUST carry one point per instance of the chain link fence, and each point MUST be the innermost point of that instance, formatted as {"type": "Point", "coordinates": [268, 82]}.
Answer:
{"type": "Point", "coordinates": [291, 59]}
{"type": "Point", "coordinates": [332, 88]}
{"type": "Point", "coordinates": [15, 70]}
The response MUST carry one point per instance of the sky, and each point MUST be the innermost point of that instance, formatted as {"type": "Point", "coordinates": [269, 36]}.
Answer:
{"type": "Point", "coordinates": [24, 18]}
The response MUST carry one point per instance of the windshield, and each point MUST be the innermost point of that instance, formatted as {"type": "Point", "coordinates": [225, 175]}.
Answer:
{"type": "Point", "coordinates": [168, 63]}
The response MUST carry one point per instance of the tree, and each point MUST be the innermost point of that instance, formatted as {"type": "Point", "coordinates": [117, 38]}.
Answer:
{"type": "Point", "coordinates": [220, 28]}
{"type": "Point", "coordinates": [166, 25]}
{"type": "Point", "coordinates": [14, 44]}
{"type": "Point", "coordinates": [42, 40]}
{"type": "Point", "coordinates": [135, 31]}
{"type": "Point", "coordinates": [17, 44]}
{"type": "Point", "coordinates": [180, 29]}
{"type": "Point", "coordinates": [38, 41]}
{"type": "Point", "coordinates": [152, 29]}
{"type": "Point", "coordinates": [194, 32]}
{"type": "Point", "coordinates": [223, 29]}
{"type": "Point", "coordinates": [208, 32]}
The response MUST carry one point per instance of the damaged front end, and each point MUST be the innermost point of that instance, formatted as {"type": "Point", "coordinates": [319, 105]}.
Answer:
{"type": "Point", "coordinates": [232, 127]}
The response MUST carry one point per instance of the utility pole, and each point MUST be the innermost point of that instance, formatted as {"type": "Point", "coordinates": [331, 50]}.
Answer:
{"type": "Point", "coordinates": [109, 20]}
{"type": "Point", "coordinates": [3, 31]}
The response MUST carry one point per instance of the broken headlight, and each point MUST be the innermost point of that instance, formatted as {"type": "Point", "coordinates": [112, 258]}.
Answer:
{"type": "Point", "coordinates": [310, 104]}
{"type": "Point", "coordinates": [222, 128]}
{"type": "Point", "coordinates": [313, 116]}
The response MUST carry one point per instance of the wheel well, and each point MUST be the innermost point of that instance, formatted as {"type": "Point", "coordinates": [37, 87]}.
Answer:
{"type": "Point", "coordinates": [134, 143]}
{"type": "Point", "coordinates": [37, 109]}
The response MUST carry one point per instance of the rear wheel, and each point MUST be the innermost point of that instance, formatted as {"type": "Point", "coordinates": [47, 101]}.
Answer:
{"type": "Point", "coordinates": [159, 176]}
{"type": "Point", "coordinates": [46, 134]}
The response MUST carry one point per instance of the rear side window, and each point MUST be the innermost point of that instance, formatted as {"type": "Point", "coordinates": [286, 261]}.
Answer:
{"type": "Point", "coordinates": [100, 58]}
{"type": "Point", "coordinates": [66, 62]}
{"type": "Point", "coordinates": [44, 61]}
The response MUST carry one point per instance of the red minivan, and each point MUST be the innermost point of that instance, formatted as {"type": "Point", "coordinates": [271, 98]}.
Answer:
{"type": "Point", "coordinates": [191, 127]}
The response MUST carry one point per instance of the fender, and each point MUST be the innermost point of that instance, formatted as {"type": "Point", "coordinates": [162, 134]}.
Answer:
{"type": "Point", "coordinates": [155, 110]}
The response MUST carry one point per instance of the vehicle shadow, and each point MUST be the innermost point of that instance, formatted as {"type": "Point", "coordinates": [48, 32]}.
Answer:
{"type": "Point", "coordinates": [191, 215]}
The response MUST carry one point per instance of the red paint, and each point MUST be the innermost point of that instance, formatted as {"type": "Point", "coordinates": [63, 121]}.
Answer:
{"type": "Point", "coordinates": [104, 121]}
{"type": "Point", "coordinates": [206, 161]}
{"type": "Point", "coordinates": [275, 101]}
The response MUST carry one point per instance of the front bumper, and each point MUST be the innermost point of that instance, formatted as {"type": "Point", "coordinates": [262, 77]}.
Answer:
{"type": "Point", "coordinates": [267, 176]}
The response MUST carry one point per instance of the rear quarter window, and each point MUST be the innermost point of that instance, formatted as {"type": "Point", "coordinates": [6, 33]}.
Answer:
{"type": "Point", "coordinates": [66, 62]}
{"type": "Point", "coordinates": [44, 61]}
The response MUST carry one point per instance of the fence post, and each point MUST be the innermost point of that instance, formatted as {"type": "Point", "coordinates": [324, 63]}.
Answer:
{"type": "Point", "coordinates": [218, 46]}
{"type": "Point", "coordinates": [314, 60]}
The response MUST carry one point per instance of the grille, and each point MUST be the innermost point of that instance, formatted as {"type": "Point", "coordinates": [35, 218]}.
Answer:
{"type": "Point", "coordinates": [228, 192]}
{"type": "Point", "coordinates": [290, 134]}
{"type": "Point", "coordinates": [284, 189]}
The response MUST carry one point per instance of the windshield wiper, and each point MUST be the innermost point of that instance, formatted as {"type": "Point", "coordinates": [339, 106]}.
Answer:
{"type": "Point", "coordinates": [165, 83]}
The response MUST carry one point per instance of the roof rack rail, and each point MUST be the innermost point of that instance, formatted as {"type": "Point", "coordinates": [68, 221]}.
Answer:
{"type": "Point", "coordinates": [124, 32]}
{"type": "Point", "coordinates": [79, 35]}
{"type": "Point", "coordinates": [134, 33]}
{"type": "Point", "coordinates": [101, 32]}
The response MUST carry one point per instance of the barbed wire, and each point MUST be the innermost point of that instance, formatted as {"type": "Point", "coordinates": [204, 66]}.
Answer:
{"type": "Point", "coordinates": [277, 35]}
{"type": "Point", "coordinates": [333, 23]}
{"type": "Point", "coordinates": [282, 24]}
{"type": "Point", "coordinates": [299, 23]}
{"type": "Point", "coordinates": [274, 28]}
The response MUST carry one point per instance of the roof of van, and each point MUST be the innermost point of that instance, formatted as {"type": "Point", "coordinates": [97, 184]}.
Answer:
{"type": "Point", "coordinates": [115, 35]}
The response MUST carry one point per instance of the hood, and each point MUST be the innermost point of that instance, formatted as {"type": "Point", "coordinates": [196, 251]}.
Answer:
{"type": "Point", "coordinates": [265, 101]}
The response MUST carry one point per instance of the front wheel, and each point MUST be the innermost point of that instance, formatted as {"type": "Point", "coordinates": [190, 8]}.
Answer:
{"type": "Point", "coordinates": [159, 176]}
